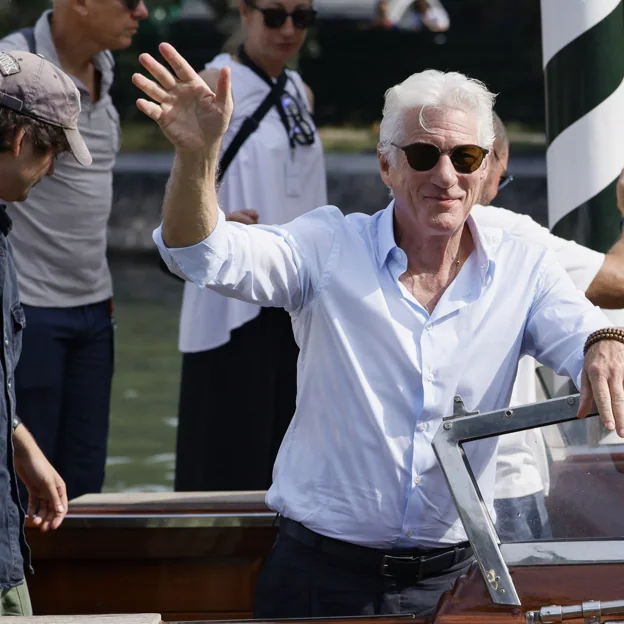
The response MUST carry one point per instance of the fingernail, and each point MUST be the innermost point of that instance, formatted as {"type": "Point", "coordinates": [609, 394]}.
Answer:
{"type": "Point", "coordinates": [610, 426]}
{"type": "Point", "coordinates": [60, 508]}
{"type": "Point", "coordinates": [621, 432]}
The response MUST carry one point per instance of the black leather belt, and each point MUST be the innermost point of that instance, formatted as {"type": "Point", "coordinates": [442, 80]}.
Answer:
{"type": "Point", "coordinates": [414, 564]}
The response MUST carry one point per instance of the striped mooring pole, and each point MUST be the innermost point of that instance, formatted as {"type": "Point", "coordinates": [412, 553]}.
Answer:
{"type": "Point", "coordinates": [583, 51]}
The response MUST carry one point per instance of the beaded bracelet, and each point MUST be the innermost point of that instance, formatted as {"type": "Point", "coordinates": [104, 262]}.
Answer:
{"type": "Point", "coordinates": [608, 333]}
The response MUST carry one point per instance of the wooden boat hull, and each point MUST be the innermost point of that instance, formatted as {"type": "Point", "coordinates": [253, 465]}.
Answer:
{"type": "Point", "coordinates": [197, 557]}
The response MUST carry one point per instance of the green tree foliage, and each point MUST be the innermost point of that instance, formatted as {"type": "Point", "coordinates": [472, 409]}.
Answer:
{"type": "Point", "coordinates": [16, 14]}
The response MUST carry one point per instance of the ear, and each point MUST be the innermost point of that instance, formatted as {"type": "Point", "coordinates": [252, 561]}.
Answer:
{"type": "Point", "coordinates": [18, 141]}
{"type": "Point", "coordinates": [384, 169]}
{"type": "Point", "coordinates": [244, 9]}
{"type": "Point", "coordinates": [82, 7]}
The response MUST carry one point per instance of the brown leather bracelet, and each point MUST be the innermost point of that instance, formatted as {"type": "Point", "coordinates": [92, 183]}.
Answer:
{"type": "Point", "coordinates": [608, 333]}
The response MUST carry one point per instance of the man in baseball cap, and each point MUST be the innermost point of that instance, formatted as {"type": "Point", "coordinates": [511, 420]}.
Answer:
{"type": "Point", "coordinates": [39, 105]}
{"type": "Point", "coordinates": [33, 86]}
{"type": "Point", "coordinates": [39, 108]}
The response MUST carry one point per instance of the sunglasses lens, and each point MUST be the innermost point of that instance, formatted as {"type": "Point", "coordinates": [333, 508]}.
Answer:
{"type": "Point", "coordinates": [422, 156]}
{"type": "Point", "coordinates": [304, 18]}
{"type": "Point", "coordinates": [132, 5]}
{"type": "Point", "coordinates": [467, 158]}
{"type": "Point", "coordinates": [274, 18]}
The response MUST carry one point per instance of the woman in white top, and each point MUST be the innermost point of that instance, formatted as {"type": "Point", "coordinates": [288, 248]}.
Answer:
{"type": "Point", "coordinates": [228, 439]}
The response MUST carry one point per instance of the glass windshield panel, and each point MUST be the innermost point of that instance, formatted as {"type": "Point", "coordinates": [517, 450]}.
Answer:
{"type": "Point", "coordinates": [561, 481]}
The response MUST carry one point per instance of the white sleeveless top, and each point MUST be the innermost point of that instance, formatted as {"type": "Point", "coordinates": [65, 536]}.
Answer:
{"type": "Point", "coordinates": [255, 180]}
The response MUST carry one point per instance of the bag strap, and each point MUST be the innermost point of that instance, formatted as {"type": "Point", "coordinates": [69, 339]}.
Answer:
{"type": "Point", "coordinates": [246, 60]}
{"type": "Point", "coordinates": [29, 34]}
{"type": "Point", "coordinates": [250, 125]}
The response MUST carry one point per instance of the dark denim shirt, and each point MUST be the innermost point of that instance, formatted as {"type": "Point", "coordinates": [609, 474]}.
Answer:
{"type": "Point", "coordinates": [13, 547]}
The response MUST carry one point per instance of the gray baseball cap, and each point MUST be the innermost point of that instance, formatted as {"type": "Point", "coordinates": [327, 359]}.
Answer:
{"type": "Point", "coordinates": [35, 87]}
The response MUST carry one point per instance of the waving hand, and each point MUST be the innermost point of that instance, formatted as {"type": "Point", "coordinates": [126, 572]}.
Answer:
{"type": "Point", "coordinates": [189, 113]}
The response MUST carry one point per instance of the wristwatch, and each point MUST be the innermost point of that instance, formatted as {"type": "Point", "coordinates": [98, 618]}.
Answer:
{"type": "Point", "coordinates": [17, 421]}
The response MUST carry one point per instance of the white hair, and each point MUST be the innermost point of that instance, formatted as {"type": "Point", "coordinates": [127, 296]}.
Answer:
{"type": "Point", "coordinates": [432, 89]}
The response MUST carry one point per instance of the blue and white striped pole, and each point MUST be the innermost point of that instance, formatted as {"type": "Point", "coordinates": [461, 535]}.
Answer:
{"type": "Point", "coordinates": [583, 50]}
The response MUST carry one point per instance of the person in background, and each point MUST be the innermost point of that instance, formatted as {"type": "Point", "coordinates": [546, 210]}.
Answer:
{"type": "Point", "coordinates": [239, 351]}
{"type": "Point", "coordinates": [39, 108]}
{"type": "Point", "coordinates": [429, 14]}
{"type": "Point", "coordinates": [382, 17]}
{"type": "Point", "coordinates": [522, 469]}
{"type": "Point", "coordinates": [63, 382]}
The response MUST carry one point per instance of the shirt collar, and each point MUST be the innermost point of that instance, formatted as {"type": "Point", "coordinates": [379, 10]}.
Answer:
{"type": "Point", "coordinates": [486, 241]}
{"type": "Point", "coordinates": [385, 234]}
{"type": "Point", "coordinates": [45, 46]}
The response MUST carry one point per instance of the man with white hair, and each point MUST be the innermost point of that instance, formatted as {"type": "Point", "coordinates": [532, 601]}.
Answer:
{"type": "Point", "coordinates": [395, 315]}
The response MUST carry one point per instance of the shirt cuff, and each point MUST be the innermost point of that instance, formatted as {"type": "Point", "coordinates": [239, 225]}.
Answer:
{"type": "Point", "coordinates": [199, 263]}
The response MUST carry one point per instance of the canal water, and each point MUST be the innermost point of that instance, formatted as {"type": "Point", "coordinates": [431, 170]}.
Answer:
{"type": "Point", "coordinates": [141, 450]}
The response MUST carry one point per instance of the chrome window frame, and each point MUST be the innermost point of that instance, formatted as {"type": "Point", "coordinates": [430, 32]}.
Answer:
{"type": "Point", "coordinates": [491, 555]}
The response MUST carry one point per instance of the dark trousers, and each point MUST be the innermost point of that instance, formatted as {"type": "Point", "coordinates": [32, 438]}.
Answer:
{"type": "Point", "coordinates": [297, 581]}
{"type": "Point", "coordinates": [522, 519]}
{"type": "Point", "coordinates": [236, 402]}
{"type": "Point", "coordinates": [63, 385]}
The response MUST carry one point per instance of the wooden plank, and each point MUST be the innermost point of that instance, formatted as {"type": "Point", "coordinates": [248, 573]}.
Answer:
{"type": "Point", "coordinates": [139, 618]}
{"type": "Point", "coordinates": [146, 544]}
{"type": "Point", "coordinates": [168, 502]}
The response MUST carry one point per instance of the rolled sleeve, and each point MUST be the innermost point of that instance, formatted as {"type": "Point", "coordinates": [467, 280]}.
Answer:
{"type": "Point", "coordinates": [198, 263]}
{"type": "Point", "coordinates": [281, 266]}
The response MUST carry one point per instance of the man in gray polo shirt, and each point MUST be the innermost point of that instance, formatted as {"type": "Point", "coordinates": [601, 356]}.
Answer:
{"type": "Point", "coordinates": [59, 237]}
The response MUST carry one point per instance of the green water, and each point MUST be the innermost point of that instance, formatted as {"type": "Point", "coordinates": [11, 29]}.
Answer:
{"type": "Point", "coordinates": [141, 449]}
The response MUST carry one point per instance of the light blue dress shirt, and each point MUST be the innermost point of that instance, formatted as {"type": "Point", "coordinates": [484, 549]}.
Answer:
{"type": "Point", "coordinates": [377, 372]}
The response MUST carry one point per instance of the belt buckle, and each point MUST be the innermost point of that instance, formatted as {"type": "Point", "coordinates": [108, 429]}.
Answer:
{"type": "Point", "coordinates": [388, 559]}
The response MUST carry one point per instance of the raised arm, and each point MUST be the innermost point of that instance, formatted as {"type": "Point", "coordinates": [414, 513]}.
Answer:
{"type": "Point", "coordinates": [194, 118]}
{"type": "Point", "coordinates": [282, 266]}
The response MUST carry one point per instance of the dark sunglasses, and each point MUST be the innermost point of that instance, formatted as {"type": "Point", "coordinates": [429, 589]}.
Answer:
{"type": "Point", "coordinates": [506, 179]}
{"type": "Point", "coordinates": [424, 156]}
{"type": "Point", "coordinates": [275, 17]}
{"type": "Point", "coordinates": [131, 5]}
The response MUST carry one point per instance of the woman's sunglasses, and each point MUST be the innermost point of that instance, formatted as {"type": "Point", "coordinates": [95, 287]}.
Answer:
{"type": "Point", "coordinates": [131, 5]}
{"type": "Point", "coordinates": [275, 17]}
{"type": "Point", "coordinates": [424, 156]}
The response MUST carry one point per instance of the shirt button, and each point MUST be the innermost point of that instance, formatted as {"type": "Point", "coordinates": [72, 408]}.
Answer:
{"type": "Point", "coordinates": [6, 342]}
{"type": "Point", "coordinates": [9, 384]}
{"type": "Point", "coordinates": [429, 377]}
{"type": "Point", "coordinates": [423, 426]}
{"type": "Point", "coordinates": [429, 328]}
{"type": "Point", "coordinates": [409, 533]}
{"type": "Point", "coordinates": [417, 480]}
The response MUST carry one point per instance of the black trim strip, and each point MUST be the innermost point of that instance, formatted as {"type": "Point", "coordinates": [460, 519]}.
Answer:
{"type": "Point", "coordinates": [584, 73]}
{"type": "Point", "coordinates": [597, 221]}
